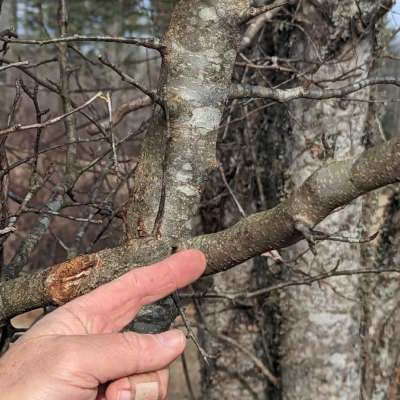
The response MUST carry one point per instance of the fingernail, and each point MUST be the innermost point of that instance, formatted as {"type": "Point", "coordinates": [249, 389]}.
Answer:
{"type": "Point", "coordinates": [124, 395]}
{"type": "Point", "coordinates": [171, 338]}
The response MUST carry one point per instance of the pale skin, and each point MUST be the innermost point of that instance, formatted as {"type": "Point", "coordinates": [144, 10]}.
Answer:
{"type": "Point", "coordinates": [77, 352]}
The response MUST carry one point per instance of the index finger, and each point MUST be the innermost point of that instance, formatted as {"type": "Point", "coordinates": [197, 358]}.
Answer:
{"type": "Point", "coordinates": [111, 307]}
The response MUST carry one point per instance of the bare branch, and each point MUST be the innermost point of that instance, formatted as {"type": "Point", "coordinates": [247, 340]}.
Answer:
{"type": "Point", "coordinates": [17, 64]}
{"type": "Point", "coordinates": [119, 114]}
{"type": "Point", "coordinates": [151, 43]}
{"type": "Point", "coordinates": [57, 214]}
{"type": "Point", "coordinates": [255, 12]}
{"type": "Point", "coordinates": [52, 121]}
{"type": "Point", "coordinates": [157, 99]}
{"type": "Point", "coordinates": [255, 25]}
{"type": "Point", "coordinates": [112, 138]}
{"type": "Point", "coordinates": [282, 285]}
{"type": "Point", "coordinates": [238, 205]}
{"type": "Point", "coordinates": [334, 185]}
{"type": "Point", "coordinates": [301, 92]}
{"type": "Point", "coordinates": [190, 333]}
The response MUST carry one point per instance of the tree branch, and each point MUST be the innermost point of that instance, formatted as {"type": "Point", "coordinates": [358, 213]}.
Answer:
{"type": "Point", "coordinates": [17, 64]}
{"type": "Point", "coordinates": [151, 43]}
{"type": "Point", "coordinates": [255, 25]}
{"type": "Point", "coordinates": [52, 121]}
{"type": "Point", "coordinates": [253, 12]}
{"type": "Point", "coordinates": [157, 99]}
{"type": "Point", "coordinates": [120, 113]}
{"type": "Point", "coordinates": [333, 185]}
{"type": "Point", "coordinates": [284, 95]}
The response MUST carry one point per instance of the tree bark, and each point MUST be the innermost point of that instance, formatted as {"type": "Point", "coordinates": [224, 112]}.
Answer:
{"type": "Point", "coordinates": [320, 342]}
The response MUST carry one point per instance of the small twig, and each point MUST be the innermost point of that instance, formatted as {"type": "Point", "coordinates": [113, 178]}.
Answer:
{"type": "Point", "coordinates": [34, 187]}
{"type": "Point", "coordinates": [380, 128]}
{"type": "Point", "coordinates": [131, 134]}
{"type": "Point", "coordinates": [187, 378]}
{"type": "Point", "coordinates": [244, 350]}
{"type": "Point", "coordinates": [17, 64]}
{"type": "Point", "coordinates": [254, 12]}
{"type": "Point", "coordinates": [274, 380]}
{"type": "Point", "coordinates": [60, 242]}
{"type": "Point", "coordinates": [15, 102]}
{"type": "Point", "coordinates": [39, 114]}
{"type": "Point", "coordinates": [20, 128]}
{"type": "Point", "coordinates": [329, 150]}
{"type": "Point", "coordinates": [151, 43]}
{"type": "Point", "coordinates": [112, 138]}
{"type": "Point", "coordinates": [38, 64]}
{"type": "Point", "coordinates": [161, 206]}
{"type": "Point", "coordinates": [221, 171]}
{"type": "Point", "coordinates": [313, 237]}
{"type": "Point", "coordinates": [282, 285]}
{"type": "Point", "coordinates": [190, 333]}
{"type": "Point", "coordinates": [57, 214]}
{"type": "Point", "coordinates": [79, 51]}
{"type": "Point", "coordinates": [154, 96]}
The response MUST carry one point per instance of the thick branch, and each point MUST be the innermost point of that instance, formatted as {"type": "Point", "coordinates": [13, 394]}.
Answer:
{"type": "Point", "coordinates": [151, 43]}
{"type": "Point", "coordinates": [301, 92]}
{"type": "Point", "coordinates": [332, 186]}
{"type": "Point", "coordinates": [335, 184]}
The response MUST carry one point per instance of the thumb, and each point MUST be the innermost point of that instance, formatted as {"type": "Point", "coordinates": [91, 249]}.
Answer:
{"type": "Point", "coordinates": [109, 357]}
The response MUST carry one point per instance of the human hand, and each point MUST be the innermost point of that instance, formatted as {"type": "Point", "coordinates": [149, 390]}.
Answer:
{"type": "Point", "coordinates": [74, 351]}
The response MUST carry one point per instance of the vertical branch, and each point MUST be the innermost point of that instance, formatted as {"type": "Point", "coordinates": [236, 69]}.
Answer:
{"type": "Point", "coordinates": [148, 68]}
{"type": "Point", "coordinates": [63, 87]}
{"type": "Point", "coordinates": [112, 138]}
{"type": "Point", "coordinates": [39, 114]}
{"type": "Point", "coordinates": [5, 177]}
{"type": "Point", "coordinates": [239, 207]}
{"type": "Point", "coordinates": [161, 206]}
{"type": "Point", "coordinates": [187, 378]}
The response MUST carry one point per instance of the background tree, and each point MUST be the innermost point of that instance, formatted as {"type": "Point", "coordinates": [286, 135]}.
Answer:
{"type": "Point", "coordinates": [268, 143]}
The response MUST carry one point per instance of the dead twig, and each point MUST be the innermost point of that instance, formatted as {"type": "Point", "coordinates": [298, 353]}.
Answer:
{"type": "Point", "coordinates": [190, 333]}
{"type": "Point", "coordinates": [52, 121]}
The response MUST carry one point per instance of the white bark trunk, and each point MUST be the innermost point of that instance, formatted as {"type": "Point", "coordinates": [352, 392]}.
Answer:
{"type": "Point", "coordinates": [321, 344]}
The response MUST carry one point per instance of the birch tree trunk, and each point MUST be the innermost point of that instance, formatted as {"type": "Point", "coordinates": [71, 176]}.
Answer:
{"type": "Point", "coordinates": [321, 345]}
